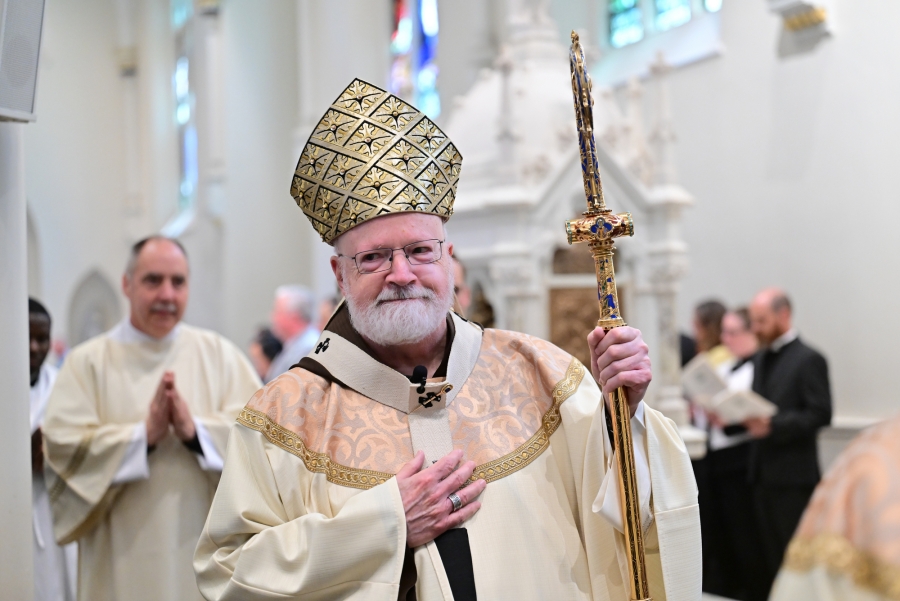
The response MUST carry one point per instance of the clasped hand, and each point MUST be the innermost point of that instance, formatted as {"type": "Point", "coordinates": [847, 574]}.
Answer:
{"type": "Point", "coordinates": [168, 408]}
{"type": "Point", "coordinates": [425, 494]}
{"type": "Point", "coordinates": [620, 358]}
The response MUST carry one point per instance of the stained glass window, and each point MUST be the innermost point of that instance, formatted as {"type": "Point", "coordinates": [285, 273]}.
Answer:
{"type": "Point", "coordinates": [427, 98]}
{"type": "Point", "coordinates": [626, 23]}
{"type": "Point", "coordinates": [401, 81]}
{"type": "Point", "coordinates": [672, 13]}
{"type": "Point", "coordinates": [181, 12]}
{"type": "Point", "coordinates": [413, 49]}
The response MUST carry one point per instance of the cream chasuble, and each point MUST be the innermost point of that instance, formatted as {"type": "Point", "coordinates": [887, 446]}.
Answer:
{"type": "Point", "coordinates": [847, 546]}
{"type": "Point", "coordinates": [308, 509]}
{"type": "Point", "coordinates": [137, 533]}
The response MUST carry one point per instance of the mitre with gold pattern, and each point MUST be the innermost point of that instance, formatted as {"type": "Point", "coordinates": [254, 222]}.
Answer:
{"type": "Point", "coordinates": [373, 154]}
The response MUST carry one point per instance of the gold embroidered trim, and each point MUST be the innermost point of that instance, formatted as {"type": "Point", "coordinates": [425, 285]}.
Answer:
{"type": "Point", "coordinates": [74, 463]}
{"type": "Point", "coordinates": [93, 518]}
{"type": "Point", "coordinates": [356, 478]}
{"type": "Point", "coordinates": [314, 462]}
{"type": "Point", "coordinates": [534, 446]}
{"type": "Point", "coordinates": [838, 555]}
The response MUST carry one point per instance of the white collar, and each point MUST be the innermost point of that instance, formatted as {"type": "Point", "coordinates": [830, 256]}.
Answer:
{"type": "Point", "coordinates": [361, 372]}
{"type": "Point", "coordinates": [783, 340]}
{"type": "Point", "coordinates": [126, 333]}
{"type": "Point", "coordinates": [639, 414]}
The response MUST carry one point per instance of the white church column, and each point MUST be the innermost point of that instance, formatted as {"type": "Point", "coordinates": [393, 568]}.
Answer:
{"type": "Point", "coordinates": [668, 264]}
{"type": "Point", "coordinates": [336, 41]}
{"type": "Point", "coordinates": [15, 447]}
{"type": "Point", "coordinates": [199, 223]}
{"type": "Point", "coordinates": [206, 237]}
{"type": "Point", "coordinates": [134, 208]}
{"type": "Point", "coordinates": [322, 277]}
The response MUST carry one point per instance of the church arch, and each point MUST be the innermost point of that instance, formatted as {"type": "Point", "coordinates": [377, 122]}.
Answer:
{"type": "Point", "coordinates": [94, 308]}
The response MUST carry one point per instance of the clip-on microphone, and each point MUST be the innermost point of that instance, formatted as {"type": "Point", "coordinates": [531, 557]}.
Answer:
{"type": "Point", "coordinates": [419, 376]}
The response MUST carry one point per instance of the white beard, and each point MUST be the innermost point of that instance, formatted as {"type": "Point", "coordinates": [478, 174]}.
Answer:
{"type": "Point", "coordinates": [407, 322]}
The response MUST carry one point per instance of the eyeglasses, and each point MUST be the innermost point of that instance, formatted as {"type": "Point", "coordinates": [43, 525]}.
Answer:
{"type": "Point", "coordinates": [381, 259]}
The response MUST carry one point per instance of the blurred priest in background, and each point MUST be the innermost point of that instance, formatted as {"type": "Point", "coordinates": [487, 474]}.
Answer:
{"type": "Point", "coordinates": [134, 436]}
{"type": "Point", "coordinates": [413, 454]}
{"type": "Point", "coordinates": [54, 566]}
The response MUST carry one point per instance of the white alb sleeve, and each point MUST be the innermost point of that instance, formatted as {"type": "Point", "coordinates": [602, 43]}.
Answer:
{"type": "Point", "coordinates": [210, 460]}
{"type": "Point", "coordinates": [607, 502]}
{"type": "Point", "coordinates": [134, 464]}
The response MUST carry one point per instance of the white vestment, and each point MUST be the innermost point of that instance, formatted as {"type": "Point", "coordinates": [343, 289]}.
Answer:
{"type": "Point", "coordinates": [136, 512]}
{"type": "Point", "coordinates": [308, 507]}
{"type": "Point", "coordinates": [55, 567]}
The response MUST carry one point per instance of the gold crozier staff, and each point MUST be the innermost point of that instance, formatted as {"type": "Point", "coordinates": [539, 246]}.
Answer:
{"type": "Point", "coordinates": [599, 226]}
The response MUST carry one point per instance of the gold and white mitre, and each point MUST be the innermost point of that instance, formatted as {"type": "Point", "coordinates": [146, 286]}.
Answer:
{"type": "Point", "coordinates": [373, 154]}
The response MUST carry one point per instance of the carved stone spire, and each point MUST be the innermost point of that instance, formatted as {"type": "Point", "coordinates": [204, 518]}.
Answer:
{"type": "Point", "coordinates": [663, 136]}
{"type": "Point", "coordinates": [638, 157]}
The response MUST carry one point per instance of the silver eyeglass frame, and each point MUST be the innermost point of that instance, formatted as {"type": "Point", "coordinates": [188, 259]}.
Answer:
{"type": "Point", "coordinates": [390, 259]}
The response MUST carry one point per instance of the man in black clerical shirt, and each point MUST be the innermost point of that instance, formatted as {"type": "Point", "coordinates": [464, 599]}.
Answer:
{"type": "Point", "coordinates": [783, 466]}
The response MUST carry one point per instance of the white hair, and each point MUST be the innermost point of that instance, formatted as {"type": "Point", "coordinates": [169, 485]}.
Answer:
{"type": "Point", "coordinates": [299, 300]}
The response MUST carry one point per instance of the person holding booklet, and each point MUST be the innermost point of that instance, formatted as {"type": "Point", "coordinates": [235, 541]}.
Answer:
{"type": "Point", "coordinates": [720, 386]}
{"type": "Point", "coordinates": [709, 354]}
{"type": "Point", "coordinates": [733, 538]}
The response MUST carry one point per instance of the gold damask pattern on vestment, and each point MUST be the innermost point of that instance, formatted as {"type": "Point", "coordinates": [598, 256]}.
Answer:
{"type": "Point", "coordinates": [527, 453]}
{"type": "Point", "coordinates": [314, 462]}
{"type": "Point", "coordinates": [373, 154]}
{"type": "Point", "coordinates": [336, 422]}
{"type": "Point", "coordinates": [502, 418]}
{"type": "Point", "coordinates": [852, 523]}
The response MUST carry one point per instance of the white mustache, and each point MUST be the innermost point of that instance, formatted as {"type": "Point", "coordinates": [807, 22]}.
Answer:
{"type": "Point", "coordinates": [164, 307]}
{"type": "Point", "coordinates": [410, 292]}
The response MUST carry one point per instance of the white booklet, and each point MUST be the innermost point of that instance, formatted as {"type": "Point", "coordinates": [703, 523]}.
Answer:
{"type": "Point", "coordinates": [734, 406]}
{"type": "Point", "coordinates": [707, 388]}
{"type": "Point", "coordinates": [702, 382]}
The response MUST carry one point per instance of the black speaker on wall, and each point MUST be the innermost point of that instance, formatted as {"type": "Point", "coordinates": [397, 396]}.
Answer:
{"type": "Point", "coordinates": [20, 45]}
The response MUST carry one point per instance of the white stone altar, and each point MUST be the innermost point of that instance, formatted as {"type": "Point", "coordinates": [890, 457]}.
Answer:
{"type": "Point", "coordinates": [516, 131]}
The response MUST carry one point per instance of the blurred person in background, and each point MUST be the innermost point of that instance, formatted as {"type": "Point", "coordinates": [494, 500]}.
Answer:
{"type": "Point", "coordinates": [707, 325]}
{"type": "Point", "coordinates": [707, 330]}
{"type": "Point", "coordinates": [783, 462]}
{"type": "Point", "coordinates": [263, 348]}
{"type": "Point", "coordinates": [461, 290]}
{"type": "Point", "coordinates": [135, 432]}
{"type": "Point", "coordinates": [687, 348]}
{"type": "Point", "coordinates": [293, 315]}
{"type": "Point", "coordinates": [326, 310]}
{"type": "Point", "coordinates": [55, 567]}
{"type": "Point", "coordinates": [733, 541]}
